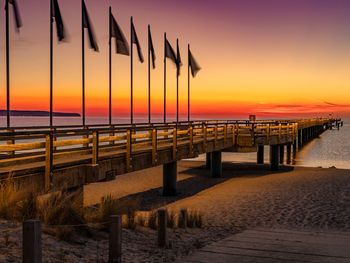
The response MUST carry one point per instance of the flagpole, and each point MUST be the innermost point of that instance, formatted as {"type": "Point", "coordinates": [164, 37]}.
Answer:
{"type": "Point", "coordinates": [164, 79]}
{"type": "Point", "coordinates": [83, 61]}
{"type": "Point", "coordinates": [51, 65]}
{"type": "Point", "coordinates": [110, 66]}
{"type": "Point", "coordinates": [177, 85]}
{"type": "Point", "coordinates": [188, 76]}
{"type": "Point", "coordinates": [8, 111]}
{"type": "Point", "coordinates": [132, 75]}
{"type": "Point", "coordinates": [149, 75]}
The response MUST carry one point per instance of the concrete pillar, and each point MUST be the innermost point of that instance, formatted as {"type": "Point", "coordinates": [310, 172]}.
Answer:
{"type": "Point", "coordinates": [289, 153]}
{"type": "Point", "coordinates": [274, 157]}
{"type": "Point", "coordinates": [208, 160]}
{"type": "Point", "coordinates": [216, 165]}
{"type": "Point", "coordinates": [281, 154]}
{"type": "Point", "coordinates": [260, 154]}
{"type": "Point", "coordinates": [169, 179]}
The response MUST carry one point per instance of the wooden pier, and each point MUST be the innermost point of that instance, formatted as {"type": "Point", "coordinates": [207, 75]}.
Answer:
{"type": "Point", "coordinates": [52, 159]}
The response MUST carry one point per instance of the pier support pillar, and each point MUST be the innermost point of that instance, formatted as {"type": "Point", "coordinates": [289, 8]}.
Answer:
{"type": "Point", "coordinates": [289, 154]}
{"type": "Point", "coordinates": [281, 153]}
{"type": "Point", "coordinates": [169, 179]}
{"type": "Point", "coordinates": [216, 165]}
{"type": "Point", "coordinates": [208, 160]}
{"type": "Point", "coordinates": [295, 149]}
{"type": "Point", "coordinates": [260, 154]}
{"type": "Point", "coordinates": [274, 157]}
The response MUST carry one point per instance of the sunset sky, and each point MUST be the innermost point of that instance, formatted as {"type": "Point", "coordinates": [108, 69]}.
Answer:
{"type": "Point", "coordinates": [272, 58]}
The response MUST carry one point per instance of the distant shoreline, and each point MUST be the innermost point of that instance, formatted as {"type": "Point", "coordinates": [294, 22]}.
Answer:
{"type": "Point", "coordinates": [34, 113]}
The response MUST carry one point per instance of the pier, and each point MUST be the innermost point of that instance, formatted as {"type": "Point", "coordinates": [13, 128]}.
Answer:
{"type": "Point", "coordinates": [69, 157]}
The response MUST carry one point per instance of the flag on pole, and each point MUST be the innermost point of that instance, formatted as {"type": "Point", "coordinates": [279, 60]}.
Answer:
{"type": "Point", "coordinates": [195, 68]}
{"type": "Point", "coordinates": [169, 52]}
{"type": "Point", "coordinates": [178, 59]}
{"type": "Point", "coordinates": [151, 49]}
{"type": "Point", "coordinates": [87, 24]}
{"type": "Point", "coordinates": [135, 40]}
{"type": "Point", "coordinates": [122, 45]}
{"type": "Point", "coordinates": [17, 16]}
{"type": "Point", "coordinates": [56, 14]}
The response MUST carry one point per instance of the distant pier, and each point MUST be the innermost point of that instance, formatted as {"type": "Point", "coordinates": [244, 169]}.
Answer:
{"type": "Point", "coordinates": [64, 157]}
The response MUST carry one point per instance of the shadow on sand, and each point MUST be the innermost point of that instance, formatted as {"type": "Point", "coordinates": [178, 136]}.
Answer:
{"type": "Point", "coordinates": [200, 180]}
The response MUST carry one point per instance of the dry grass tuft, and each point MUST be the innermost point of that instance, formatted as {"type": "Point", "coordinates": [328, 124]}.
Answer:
{"type": "Point", "coordinates": [172, 219]}
{"type": "Point", "coordinates": [16, 205]}
{"type": "Point", "coordinates": [152, 220]}
{"type": "Point", "coordinates": [195, 219]}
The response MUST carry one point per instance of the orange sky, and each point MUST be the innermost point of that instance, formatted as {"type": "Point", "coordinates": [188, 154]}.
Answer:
{"type": "Point", "coordinates": [272, 59]}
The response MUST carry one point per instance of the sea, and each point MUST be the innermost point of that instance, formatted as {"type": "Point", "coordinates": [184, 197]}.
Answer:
{"type": "Point", "coordinates": [330, 149]}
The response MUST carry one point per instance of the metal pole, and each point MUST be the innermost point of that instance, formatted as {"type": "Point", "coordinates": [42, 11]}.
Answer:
{"type": "Point", "coordinates": [177, 85]}
{"type": "Point", "coordinates": [189, 93]}
{"type": "Point", "coordinates": [164, 79]}
{"type": "Point", "coordinates": [132, 74]}
{"type": "Point", "coordinates": [7, 65]}
{"type": "Point", "coordinates": [51, 66]}
{"type": "Point", "coordinates": [149, 75]}
{"type": "Point", "coordinates": [83, 62]}
{"type": "Point", "coordinates": [110, 67]}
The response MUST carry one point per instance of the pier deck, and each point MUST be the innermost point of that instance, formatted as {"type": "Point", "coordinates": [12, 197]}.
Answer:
{"type": "Point", "coordinates": [69, 157]}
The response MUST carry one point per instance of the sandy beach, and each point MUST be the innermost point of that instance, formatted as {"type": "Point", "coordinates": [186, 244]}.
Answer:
{"type": "Point", "coordinates": [245, 197]}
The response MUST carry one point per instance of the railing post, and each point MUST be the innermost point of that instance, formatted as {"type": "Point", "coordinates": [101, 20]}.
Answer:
{"type": "Point", "coordinates": [279, 132]}
{"type": "Point", "coordinates": [225, 135]}
{"type": "Point", "coordinates": [48, 161]}
{"type": "Point", "coordinates": [95, 147]}
{"type": "Point", "coordinates": [191, 139]}
{"type": "Point", "coordinates": [32, 251]}
{"type": "Point", "coordinates": [216, 136]}
{"type": "Point", "coordinates": [175, 144]}
{"type": "Point", "coordinates": [205, 135]}
{"type": "Point", "coordinates": [268, 133]}
{"type": "Point", "coordinates": [128, 149]}
{"type": "Point", "coordinates": [86, 136]}
{"type": "Point", "coordinates": [115, 239]}
{"type": "Point", "coordinates": [154, 146]}
{"type": "Point", "coordinates": [11, 141]}
{"type": "Point", "coordinates": [111, 134]}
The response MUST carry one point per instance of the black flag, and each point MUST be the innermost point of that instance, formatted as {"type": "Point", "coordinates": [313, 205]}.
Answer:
{"type": "Point", "coordinates": [122, 45]}
{"type": "Point", "coordinates": [193, 64]}
{"type": "Point", "coordinates": [169, 52]}
{"type": "Point", "coordinates": [135, 40]}
{"type": "Point", "coordinates": [178, 59]}
{"type": "Point", "coordinates": [151, 49]}
{"type": "Point", "coordinates": [56, 13]}
{"type": "Point", "coordinates": [87, 24]}
{"type": "Point", "coordinates": [18, 20]}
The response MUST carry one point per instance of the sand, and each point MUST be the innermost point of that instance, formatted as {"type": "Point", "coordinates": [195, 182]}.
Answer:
{"type": "Point", "coordinates": [247, 196]}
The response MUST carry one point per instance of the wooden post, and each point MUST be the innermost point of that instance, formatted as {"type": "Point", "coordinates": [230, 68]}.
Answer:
{"type": "Point", "coordinates": [32, 251]}
{"type": "Point", "coordinates": [154, 146]}
{"type": "Point", "coordinates": [191, 140]}
{"type": "Point", "coordinates": [225, 135]}
{"type": "Point", "coordinates": [95, 146]}
{"type": "Point", "coordinates": [268, 133]}
{"type": "Point", "coordinates": [205, 135]}
{"type": "Point", "coordinates": [11, 141]}
{"type": "Point", "coordinates": [174, 144]}
{"type": "Point", "coordinates": [111, 134]}
{"type": "Point", "coordinates": [279, 132]}
{"type": "Point", "coordinates": [216, 136]}
{"type": "Point", "coordinates": [162, 228]}
{"type": "Point", "coordinates": [115, 239]}
{"type": "Point", "coordinates": [128, 149]}
{"type": "Point", "coordinates": [48, 162]}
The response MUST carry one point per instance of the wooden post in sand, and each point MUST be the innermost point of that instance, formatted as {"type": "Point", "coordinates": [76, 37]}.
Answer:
{"type": "Point", "coordinates": [32, 252]}
{"type": "Point", "coordinates": [260, 154]}
{"type": "Point", "coordinates": [115, 239]}
{"type": "Point", "coordinates": [162, 228]}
